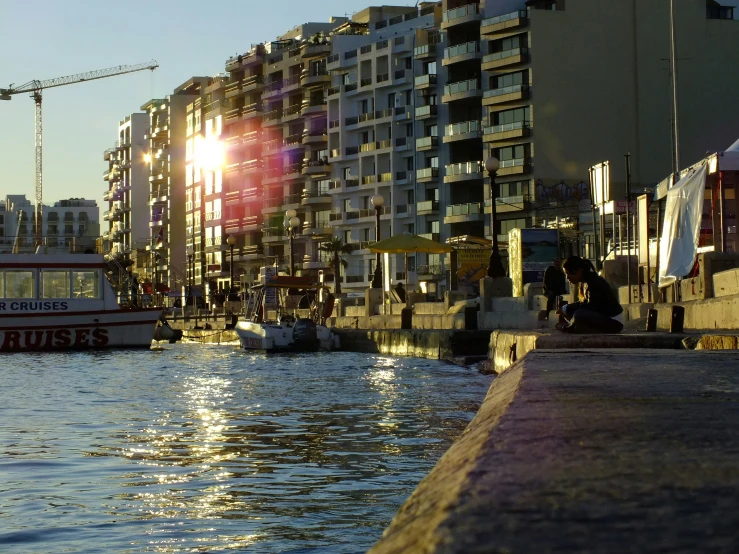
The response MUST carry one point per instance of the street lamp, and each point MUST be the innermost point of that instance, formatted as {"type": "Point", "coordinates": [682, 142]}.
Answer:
{"type": "Point", "coordinates": [231, 241]}
{"type": "Point", "coordinates": [377, 202]}
{"type": "Point", "coordinates": [495, 265]}
{"type": "Point", "coordinates": [291, 223]}
{"type": "Point", "coordinates": [191, 264]}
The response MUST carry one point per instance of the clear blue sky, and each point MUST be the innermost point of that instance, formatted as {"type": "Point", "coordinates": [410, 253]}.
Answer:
{"type": "Point", "coordinates": [44, 39]}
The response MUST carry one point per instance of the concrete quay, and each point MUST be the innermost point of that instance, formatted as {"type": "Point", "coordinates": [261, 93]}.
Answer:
{"type": "Point", "coordinates": [605, 450]}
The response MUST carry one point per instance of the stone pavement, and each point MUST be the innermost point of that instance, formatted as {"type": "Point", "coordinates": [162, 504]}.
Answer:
{"type": "Point", "coordinates": [597, 451]}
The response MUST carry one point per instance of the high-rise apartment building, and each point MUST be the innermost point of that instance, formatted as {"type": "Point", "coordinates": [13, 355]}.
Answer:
{"type": "Point", "coordinates": [128, 189]}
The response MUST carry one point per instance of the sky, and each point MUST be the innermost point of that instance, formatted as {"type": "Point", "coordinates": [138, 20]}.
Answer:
{"type": "Point", "coordinates": [46, 39]}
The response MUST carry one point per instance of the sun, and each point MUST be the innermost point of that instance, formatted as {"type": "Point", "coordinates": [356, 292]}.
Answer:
{"type": "Point", "coordinates": [209, 153]}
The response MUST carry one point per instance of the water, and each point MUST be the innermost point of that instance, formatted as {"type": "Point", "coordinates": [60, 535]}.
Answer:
{"type": "Point", "coordinates": [200, 448]}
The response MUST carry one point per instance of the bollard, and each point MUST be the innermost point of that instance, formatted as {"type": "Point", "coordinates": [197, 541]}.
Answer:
{"type": "Point", "coordinates": [652, 320]}
{"type": "Point", "coordinates": [677, 320]}
{"type": "Point", "coordinates": [406, 318]}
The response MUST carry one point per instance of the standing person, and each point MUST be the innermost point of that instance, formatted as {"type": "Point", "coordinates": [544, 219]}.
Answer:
{"type": "Point", "coordinates": [554, 285]}
{"type": "Point", "coordinates": [400, 291]}
{"type": "Point", "coordinates": [597, 304]}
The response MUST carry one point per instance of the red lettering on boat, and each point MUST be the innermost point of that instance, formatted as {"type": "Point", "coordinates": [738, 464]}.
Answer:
{"type": "Point", "coordinates": [63, 337]}
{"type": "Point", "coordinates": [99, 337]}
{"type": "Point", "coordinates": [12, 340]}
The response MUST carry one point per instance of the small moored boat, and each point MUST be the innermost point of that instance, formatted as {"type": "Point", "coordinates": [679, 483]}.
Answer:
{"type": "Point", "coordinates": [272, 324]}
{"type": "Point", "coordinates": [64, 301]}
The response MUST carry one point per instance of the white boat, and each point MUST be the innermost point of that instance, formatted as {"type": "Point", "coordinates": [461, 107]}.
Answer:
{"type": "Point", "coordinates": [282, 329]}
{"type": "Point", "coordinates": [65, 302]}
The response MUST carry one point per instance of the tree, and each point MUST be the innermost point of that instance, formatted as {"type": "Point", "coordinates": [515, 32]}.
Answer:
{"type": "Point", "coordinates": [336, 246]}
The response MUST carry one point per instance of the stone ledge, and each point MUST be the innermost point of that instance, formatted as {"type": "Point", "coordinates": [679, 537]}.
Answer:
{"type": "Point", "coordinates": [576, 452]}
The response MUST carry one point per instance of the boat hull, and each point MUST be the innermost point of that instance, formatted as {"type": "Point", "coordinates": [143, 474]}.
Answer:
{"type": "Point", "coordinates": [78, 330]}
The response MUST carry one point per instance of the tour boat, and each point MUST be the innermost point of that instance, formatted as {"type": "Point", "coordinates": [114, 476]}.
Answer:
{"type": "Point", "coordinates": [65, 302]}
{"type": "Point", "coordinates": [286, 331]}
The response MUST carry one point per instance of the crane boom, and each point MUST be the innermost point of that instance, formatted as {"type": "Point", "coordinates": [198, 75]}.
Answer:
{"type": "Point", "coordinates": [35, 87]}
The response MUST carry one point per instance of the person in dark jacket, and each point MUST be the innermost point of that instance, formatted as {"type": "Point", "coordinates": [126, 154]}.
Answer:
{"type": "Point", "coordinates": [598, 305]}
{"type": "Point", "coordinates": [554, 284]}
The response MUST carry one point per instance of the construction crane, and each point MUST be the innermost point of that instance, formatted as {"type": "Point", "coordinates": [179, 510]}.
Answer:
{"type": "Point", "coordinates": [34, 88]}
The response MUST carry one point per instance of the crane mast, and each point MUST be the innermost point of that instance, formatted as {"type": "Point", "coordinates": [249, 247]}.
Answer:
{"type": "Point", "coordinates": [34, 88]}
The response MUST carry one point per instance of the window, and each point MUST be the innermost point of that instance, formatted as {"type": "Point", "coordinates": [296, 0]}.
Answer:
{"type": "Point", "coordinates": [433, 161]}
{"type": "Point", "coordinates": [432, 131]}
{"type": "Point", "coordinates": [512, 116]}
{"type": "Point", "coordinates": [430, 68]}
{"type": "Point", "coordinates": [410, 199]}
{"type": "Point", "coordinates": [346, 173]}
{"type": "Point", "coordinates": [347, 237]}
{"type": "Point", "coordinates": [409, 164]}
{"type": "Point", "coordinates": [365, 234]}
{"type": "Point", "coordinates": [510, 43]}
{"type": "Point", "coordinates": [409, 129]}
{"type": "Point", "coordinates": [347, 205]}
{"type": "Point", "coordinates": [408, 63]}
{"type": "Point", "coordinates": [515, 188]}
{"type": "Point", "coordinates": [19, 284]}
{"type": "Point", "coordinates": [55, 284]}
{"type": "Point", "coordinates": [511, 153]}
{"type": "Point", "coordinates": [510, 79]}
{"type": "Point", "coordinates": [508, 224]}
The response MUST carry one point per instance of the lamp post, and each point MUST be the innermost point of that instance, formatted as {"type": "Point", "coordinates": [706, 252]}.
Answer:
{"type": "Point", "coordinates": [291, 223]}
{"type": "Point", "coordinates": [377, 202]}
{"type": "Point", "coordinates": [495, 265]}
{"type": "Point", "coordinates": [191, 264]}
{"type": "Point", "coordinates": [231, 241]}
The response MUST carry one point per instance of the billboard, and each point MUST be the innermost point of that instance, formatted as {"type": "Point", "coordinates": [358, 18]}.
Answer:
{"type": "Point", "coordinates": [472, 265]}
{"type": "Point", "coordinates": [531, 252]}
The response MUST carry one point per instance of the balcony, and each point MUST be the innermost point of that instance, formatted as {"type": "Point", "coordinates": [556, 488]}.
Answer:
{"type": "Point", "coordinates": [402, 177]}
{"type": "Point", "coordinates": [505, 58]}
{"type": "Point", "coordinates": [427, 207]}
{"type": "Point", "coordinates": [424, 51]}
{"type": "Point", "coordinates": [402, 144]}
{"type": "Point", "coordinates": [427, 174]}
{"type": "Point", "coordinates": [515, 130]}
{"type": "Point", "coordinates": [272, 88]}
{"type": "Point", "coordinates": [292, 171]}
{"type": "Point", "coordinates": [313, 196]}
{"type": "Point", "coordinates": [314, 137]}
{"type": "Point", "coordinates": [461, 90]}
{"type": "Point", "coordinates": [518, 166]}
{"type": "Point", "coordinates": [462, 131]}
{"type": "Point", "coordinates": [291, 112]}
{"type": "Point", "coordinates": [426, 112]}
{"type": "Point", "coordinates": [427, 143]}
{"type": "Point", "coordinates": [465, 171]}
{"type": "Point", "coordinates": [291, 83]}
{"type": "Point", "coordinates": [315, 49]}
{"type": "Point", "coordinates": [273, 234]}
{"type": "Point", "coordinates": [425, 81]}
{"type": "Point", "coordinates": [333, 91]}
{"type": "Point", "coordinates": [272, 206]}
{"type": "Point", "coordinates": [272, 146]}
{"type": "Point", "coordinates": [308, 108]}
{"type": "Point", "coordinates": [233, 89]}
{"type": "Point", "coordinates": [464, 213]}
{"type": "Point", "coordinates": [232, 116]}
{"type": "Point", "coordinates": [292, 142]}
{"type": "Point", "coordinates": [503, 23]}
{"type": "Point", "coordinates": [319, 260]}
{"type": "Point", "coordinates": [314, 77]}
{"type": "Point", "coordinates": [502, 95]}
{"type": "Point", "coordinates": [461, 53]}
{"type": "Point", "coordinates": [430, 236]}
{"type": "Point", "coordinates": [317, 228]}
{"type": "Point", "coordinates": [252, 166]}
{"type": "Point", "coordinates": [251, 111]}
{"type": "Point", "coordinates": [430, 272]}
{"type": "Point", "coordinates": [213, 216]}
{"type": "Point", "coordinates": [272, 117]}
{"type": "Point", "coordinates": [252, 83]}
{"type": "Point", "coordinates": [460, 16]}
{"type": "Point", "coordinates": [316, 167]}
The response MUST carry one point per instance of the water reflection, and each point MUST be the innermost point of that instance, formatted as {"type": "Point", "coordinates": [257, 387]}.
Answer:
{"type": "Point", "coordinates": [214, 449]}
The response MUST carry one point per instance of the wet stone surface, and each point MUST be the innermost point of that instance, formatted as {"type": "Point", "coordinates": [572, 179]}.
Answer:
{"type": "Point", "coordinates": [598, 451]}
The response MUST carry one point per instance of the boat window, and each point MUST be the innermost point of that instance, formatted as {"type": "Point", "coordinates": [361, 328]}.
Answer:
{"type": "Point", "coordinates": [19, 284]}
{"type": "Point", "coordinates": [86, 284]}
{"type": "Point", "coordinates": [55, 284]}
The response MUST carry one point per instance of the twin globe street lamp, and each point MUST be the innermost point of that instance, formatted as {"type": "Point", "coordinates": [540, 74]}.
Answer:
{"type": "Point", "coordinates": [377, 202]}
{"type": "Point", "coordinates": [292, 222]}
{"type": "Point", "coordinates": [495, 264]}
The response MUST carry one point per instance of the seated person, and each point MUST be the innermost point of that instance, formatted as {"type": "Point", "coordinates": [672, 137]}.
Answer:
{"type": "Point", "coordinates": [598, 305]}
{"type": "Point", "coordinates": [554, 285]}
{"type": "Point", "coordinates": [400, 291]}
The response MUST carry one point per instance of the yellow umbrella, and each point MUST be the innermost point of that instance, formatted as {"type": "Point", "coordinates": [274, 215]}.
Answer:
{"type": "Point", "coordinates": [407, 242]}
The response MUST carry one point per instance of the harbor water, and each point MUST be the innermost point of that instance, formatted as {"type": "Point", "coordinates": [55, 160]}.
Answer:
{"type": "Point", "coordinates": [207, 448]}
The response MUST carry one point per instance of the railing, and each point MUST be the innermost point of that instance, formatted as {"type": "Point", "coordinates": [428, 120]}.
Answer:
{"type": "Point", "coordinates": [401, 141]}
{"type": "Point", "coordinates": [382, 77]}
{"type": "Point", "coordinates": [424, 50]}
{"type": "Point", "coordinates": [518, 162]}
{"type": "Point", "coordinates": [365, 82]}
{"type": "Point", "coordinates": [464, 168]}
{"type": "Point", "coordinates": [349, 87]}
{"type": "Point", "coordinates": [401, 175]}
{"type": "Point", "coordinates": [365, 49]}
{"type": "Point", "coordinates": [464, 209]}
{"type": "Point", "coordinates": [427, 172]}
{"type": "Point", "coordinates": [369, 179]}
{"type": "Point", "coordinates": [292, 139]}
{"type": "Point", "coordinates": [382, 44]}
{"type": "Point", "coordinates": [291, 81]}
{"type": "Point", "coordinates": [294, 198]}
{"type": "Point", "coordinates": [272, 115]}
{"type": "Point", "coordinates": [387, 143]}
{"type": "Point", "coordinates": [399, 74]}
{"type": "Point", "coordinates": [351, 150]}
{"type": "Point", "coordinates": [334, 90]}
{"type": "Point", "coordinates": [462, 128]}
{"type": "Point", "coordinates": [520, 14]}
{"type": "Point", "coordinates": [425, 80]}
{"type": "Point", "coordinates": [461, 49]}
{"type": "Point", "coordinates": [504, 54]}
{"type": "Point", "coordinates": [462, 86]}
{"type": "Point", "coordinates": [428, 206]}
{"type": "Point", "coordinates": [427, 142]}
{"type": "Point", "coordinates": [210, 216]}
{"type": "Point", "coordinates": [214, 241]}
{"type": "Point", "coordinates": [505, 90]}
{"type": "Point", "coordinates": [423, 111]}
{"type": "Point", "coordinates": [433, 269]}
{"type": "Point", "coordinates": [333, 58]}
{"type": "Point", "coordinates": [469, 9]}
{"type": "Point", "coordinates": [293, 168]}
{"type": "Point", "coordinates": [351, 120]}
{"type": "Point", "coordinates": [385, 177]}
{"type": "Point", "coordinates": [350, 54]}
{"type": "Point", "coordinates": [506, 127]}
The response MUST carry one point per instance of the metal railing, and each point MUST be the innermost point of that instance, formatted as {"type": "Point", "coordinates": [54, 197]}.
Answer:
{"type": "Point", "coordinates": [470, 85]}
{"type": "Point", "coordinates": [506, 127]}
{"type": "Point", "coordinates": [505, 54]}
{"type": "Point", "coordinates": [505, 90]}
{"type": "Point", "coordinates": [462, 49]}
{"type": "Point", "coordinates": [462, 128]}
{"type": "Point", "coordinates": [456, 13]}
{"type": "Point", "coordinates": [464, 168]}
{"type": "Point", "coordinates": [519, 14]}
{"type": "Point", "coordinates": [473, 208]}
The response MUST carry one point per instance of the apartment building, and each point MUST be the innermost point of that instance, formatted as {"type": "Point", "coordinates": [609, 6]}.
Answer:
{"type": "Point", "coordinates": [372, 138]}
{"type": "Point", "coordinates": [127, 196]}
{"type": "Point", "coordinates": [166, 137]}
{"type": "Point", "coordinates": [68, 225]}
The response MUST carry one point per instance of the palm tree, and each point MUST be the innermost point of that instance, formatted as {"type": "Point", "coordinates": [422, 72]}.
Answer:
{"type": "Point", "coordinates": [336, 246]}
